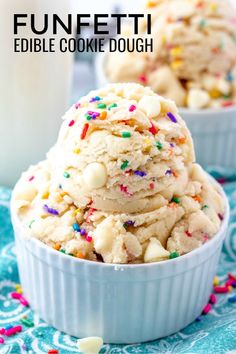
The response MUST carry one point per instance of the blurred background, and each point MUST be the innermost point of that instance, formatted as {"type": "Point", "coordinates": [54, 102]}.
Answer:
{"type": "Point", "coordinates": [37, 88]}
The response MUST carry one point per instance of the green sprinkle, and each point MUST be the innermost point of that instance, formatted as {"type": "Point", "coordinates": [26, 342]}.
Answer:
{"type": "Point", "coordinates": [159, 145]}
{"type": "Point", "coordinates": [175, 200]}
{"type": "Point", "coordinates": [126, 135]}
{"type": "Point", "coordinates": [31, 222]}
{"type": "Point", "coordinates": [88, 117]}
{"type": "Point", "coordinates": [124, 165]}
{"type": "Point", "coordinates": [66, 175]}
{"type": "Point", "coordinates": [62, 250]}
{"type": "Point", "coordinates": [113, 105]}
{"type": "Point", "coordinates": [174, 255]}
{"type": "Point", "coordinates": [27, 322]}
{"type": "Point", "coordinates": [205, 207]}
{"type": "Point", "coordinates": [202, 23]}
{"type": "Point", "coordinates": [101, 105]}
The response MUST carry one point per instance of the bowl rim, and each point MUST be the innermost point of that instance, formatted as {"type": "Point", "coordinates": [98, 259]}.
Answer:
{"type": "Point", "coordinates": [222, 231]}
{"type": "Point", "coordinates": [99, 66]}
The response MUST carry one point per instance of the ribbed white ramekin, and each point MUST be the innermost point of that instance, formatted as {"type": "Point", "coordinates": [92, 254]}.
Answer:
{"type": "Point", "coordinates": [213, 130]}
{"type": "Point", "coordinates": [121, 303]}
{"type": "Point", "coordinates": [214, 135]}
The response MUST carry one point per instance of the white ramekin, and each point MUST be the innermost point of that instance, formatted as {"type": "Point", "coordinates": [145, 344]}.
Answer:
{"type": "Point", "coordinates": [121, 303]}
{"type": "Point", "coordinates": [213, 130]}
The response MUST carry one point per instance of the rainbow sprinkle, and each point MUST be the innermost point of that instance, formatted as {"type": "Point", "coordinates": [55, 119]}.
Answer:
{"type": "Point", "coordinates": [112, 105]}
{"type": "Point", "coordinates": [132, 108]}
{"type": "Point", "coordinates": [71, 123]}
{"type": "Point", "coordinates": [76, 227]}
{"type": "Point", "coordinates": [101, 105]}
{"type": "Point", "coordinates": [174, 254]}
{"type": "Point", "coordinates": [50, 210]}
{"type": "Point", "coordinates": [31, 178]}
{"type": "Point", "coordinates": [172, 117]}
{"type": "Point", "coordinates": [95, 99]}
{"type": "Point", "coordinates": [124, 165]}
{"type": "Point", "coordinates": [126, 134]}
{"type": "Point", "coordinates": [175, 200]}
{"type": "Point", "coordinates": [159, 145]}
{"type": "Point", "coordinates": [128, 223]}
{"type": "Point", "coordinates": [140, 173]}
{"type": "Point", "coordinates": [66, 174]}
{"type": "Point", "coordinates": [153, 129]}
{"type": "Point", "coordinates": [84, 131]}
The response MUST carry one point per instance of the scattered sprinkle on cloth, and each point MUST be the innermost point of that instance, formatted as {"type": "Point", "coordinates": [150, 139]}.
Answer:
{"type": "Point", "coordinates": [215, 333]}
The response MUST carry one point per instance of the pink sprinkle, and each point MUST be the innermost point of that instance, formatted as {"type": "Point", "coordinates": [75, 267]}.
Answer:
{"type": "Point", "coordinates": [232, 277]}
{"type": "Point", "coordinates": [221, 180]}
{"type": "Point", "coordinates": [132, 108]}
{"type": "Point", "coordinates": [153, 129]}
{"type": "Point", "coordinates": [24, 302]}
{"type": "Point", "coordinates": [188, 233]}
{"type": "Point", "coordinates": [13, 330]}
{"type": "Point", "coordinates": [125, 190]}
{"type": "Point", "coordinates": [213, 299]}
{"type": "Point", "coordinates": [72, 122]}
{"type": "Point", "coordinates": [77, 105]}
{"type": "Point", "coordinates": [221, 289]}
{"type": "Point", "coordinates": [151, 185]}
{"type": "Point", "coordinates": [229, 282]}
{"type": "Point", "coordinates": [88, 238]}
{"type": "Point", "coordinates": [31, 178]}
{"type": "Point", "coordinates": [206, 309]}
{"type": "Point", "coordinates": [2, 340]}
{"type": "Point", "coordinates": [205, 238]}
{"type": "Point", "coordinates": [143, 78]}
{"type": "Point", "coordinates": [2, 330]}
{"type": "Point", "coordinates": [16, 295]}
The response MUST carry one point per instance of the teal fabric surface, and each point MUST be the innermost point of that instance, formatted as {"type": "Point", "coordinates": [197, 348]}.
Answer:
{"type": "Point", "coordinates": [215, 333]}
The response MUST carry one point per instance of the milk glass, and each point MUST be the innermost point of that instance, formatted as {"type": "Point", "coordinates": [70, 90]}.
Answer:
{"type": "Point", "coordinates": [34, 90]}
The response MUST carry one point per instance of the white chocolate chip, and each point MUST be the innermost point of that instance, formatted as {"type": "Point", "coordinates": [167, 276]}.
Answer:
{"type": "Point", "coordinates": [182, 9]}
{"type": "Point", "coordinates": [224, 86]}
{"type": "Point", "coordinates": [90, 345]}
{"type": "Point", "coordinates": [150, 105]}
{"type": "Point", "coordinates": [26, 192]}
{"type": "Point", "coordinates": [155, 251]}
{"type": "Point", "coordinates": [95, 175]}
{"type": "Point", "coordinates": [198, 98]}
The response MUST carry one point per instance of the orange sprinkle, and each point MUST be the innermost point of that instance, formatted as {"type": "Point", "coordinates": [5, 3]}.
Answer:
{"type": "Point", "coordinates": [80, 255]}
{"type": "Point", "coordinates": [173, 205]}
{"type": "Point", "coordinates": [57, 246]}
{"type": "Point", "coordinates": [62, 194]}
{"type": "Point", "coordinates": [103, 115]}
{"type": "Point", "coordinates": [181, 140]}
{"type": "Point", "coordinates": [171, 153]}
{"type": "Point", "coordinates": [175, 174]}
{"type": "Point", "coordinates": [197, 198]}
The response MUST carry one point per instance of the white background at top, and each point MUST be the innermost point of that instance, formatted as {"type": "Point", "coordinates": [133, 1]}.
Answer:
{"type": "Point", "coordinates": [100, 6]}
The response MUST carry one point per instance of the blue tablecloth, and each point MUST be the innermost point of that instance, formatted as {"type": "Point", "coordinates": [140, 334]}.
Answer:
{"type": "Point", "coordinates": [215, 333]}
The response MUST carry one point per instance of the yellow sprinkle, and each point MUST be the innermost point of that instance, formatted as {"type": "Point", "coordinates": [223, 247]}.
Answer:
{"type": "Point", "coordinates": [45, 195]}
{"type": "Point", "coordinates": [176, 64]}
{"type": "Point", "coordinates": [77, 151]}
{"type": "Point", "coordinates": [214, 93]}
{"type": "Point", "coordinates": [18, 289]}
{"type": "Point", "coordinates": [230, 288]}
{"type": "Point", "coordinates": [216, 281]}
{"type": "Point", "coordinates": [164, 39]}
{"type": "Point", "coordinates": [148, 143]}
{"type": "Point", "coordinates": [213, 7]}
{"type": "Point", "coordinates": [176, 51]}
{"type": "Point", "coordinates": [77, 211]}
{"type": "Point", "coordinates": [151, 3]}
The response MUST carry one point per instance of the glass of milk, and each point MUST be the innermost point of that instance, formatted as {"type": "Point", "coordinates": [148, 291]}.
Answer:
{"type": "Point", "coordinates": [34, 90]}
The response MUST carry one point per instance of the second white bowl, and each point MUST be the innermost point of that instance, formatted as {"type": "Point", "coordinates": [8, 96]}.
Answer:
{"type": "Point", "coordinates": [213, 130]}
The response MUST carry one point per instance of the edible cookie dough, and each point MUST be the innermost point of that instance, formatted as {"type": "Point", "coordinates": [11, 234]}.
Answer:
{"type": "Point", "coordinates": [120, 185]}
{"type": "Point", "coordinates": [194, 57]}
